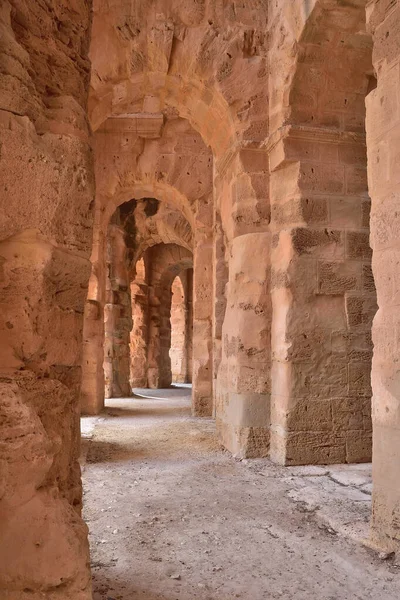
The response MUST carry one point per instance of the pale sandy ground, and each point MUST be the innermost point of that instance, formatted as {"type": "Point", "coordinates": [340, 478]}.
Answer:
{"type": "Point", "coordinates": [174, 517]}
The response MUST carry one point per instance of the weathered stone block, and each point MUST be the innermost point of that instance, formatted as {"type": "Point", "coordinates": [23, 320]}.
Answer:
{"type": "Point", "coordinates": [357, 245]}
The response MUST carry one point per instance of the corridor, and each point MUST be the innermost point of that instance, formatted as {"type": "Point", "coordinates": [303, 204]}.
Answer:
{"type": "Point", "coordinates": [172, 516]}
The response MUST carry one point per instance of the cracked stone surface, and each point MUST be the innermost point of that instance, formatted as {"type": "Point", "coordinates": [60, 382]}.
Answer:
{"type": "Point", "coordinates": [171, 515]}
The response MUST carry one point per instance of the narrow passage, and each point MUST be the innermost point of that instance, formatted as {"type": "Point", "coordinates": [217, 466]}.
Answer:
{"type": "Point", "coordinates": [173, 517]}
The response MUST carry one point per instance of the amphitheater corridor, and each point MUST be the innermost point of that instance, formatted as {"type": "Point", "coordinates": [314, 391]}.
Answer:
{"type": "Point", "coordinates": [200, 198]}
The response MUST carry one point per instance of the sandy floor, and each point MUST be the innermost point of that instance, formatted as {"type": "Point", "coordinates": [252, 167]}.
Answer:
{"type": "Point", "coordinates": [173, 517]}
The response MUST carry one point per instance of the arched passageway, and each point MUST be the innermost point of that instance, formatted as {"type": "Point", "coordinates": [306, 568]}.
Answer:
{"type": "Point", "coordinates": [174, 210]}
{"type": "Point", "coordinates": [182, 327]}
{"type": "Point", "coordinates": [233, 132]}
{"type": "Point", "coordinates": [167, 261]}
{"type": "Point", "coordinates": [144, 338]}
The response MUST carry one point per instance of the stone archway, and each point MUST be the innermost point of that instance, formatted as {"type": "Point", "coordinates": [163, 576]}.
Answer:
{"type": "Point", "coordinates": [167, 261]}
{"type": "Point", "coordinates": [182, 327]}
{"type": "Point", "coordinates": [131, 229]}
{"type": "Point", "coordinates": [152, 79]}
{"type": "Point", "coordinates": [174, 167]}
{"type": "Point", "coordinates": [162, 224]}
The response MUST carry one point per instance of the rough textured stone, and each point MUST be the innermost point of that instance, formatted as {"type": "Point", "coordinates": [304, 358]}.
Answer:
{"type": "Point", "coordinates": [46, 195]}
{"type": "Point", "coordinates": [321, 255]}
{"type": "Point", "coordinates": [224, 144]}
{"type": "Point", "coordinates": [383, 131]}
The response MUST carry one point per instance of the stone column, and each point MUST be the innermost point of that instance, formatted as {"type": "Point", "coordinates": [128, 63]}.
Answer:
{"type": "Point", "coordinates": [159, 362]}
{"type": "Point", "coordinates": [47, 191]}
{"type": "Point", "coordinates": [189, 325]}
{"type": "Point", "coordinates": [323, 298]}
{"type": "Point", "coordinates": [220, 280]}
{"type": "Point", "coordinates": [202, 380]}
{"type": "Point", "coordinates": [243, 382]}
{"type": "Point", "coordinates": [117, 317]}
{"type": "Point", "coordinates": [92, 388]}
{"type": "Point", "coordinates": [321, 283]}
{"type": "Point", "coordinates": [243, 414]}
{"type": "Point", "coordinates": [383, 142]}
{"type": "Point", "coordinates": [139, 333]}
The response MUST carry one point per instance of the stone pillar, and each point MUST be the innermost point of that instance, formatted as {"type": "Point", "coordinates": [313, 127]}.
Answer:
{"type": "Point", "coordinates": [202, 379]}
{"type": "Point", "coordinates": [220, 280]}
{"type": "Point", "coordinates": [243, 410]}
{"type": "Point", "coordinates": [139, 333]}
{"type": "Point", "coordinates": [117, 317]}
{"type": "Point", "coordinates": [159, 362]}
{"type": "Point", "coordinates": [323, 298]}
{"type": "Point", "coordinates": [47, 188]}
{"type": "Point", "coordinates": [159, 338]}
{"type": "Point", "coordinates": [189, 325]}
{"type": "Point", "coordinates": [321, 284]}
{"type": "Point", "coordinates": [242, 405]}
{"type": "Point", "coordinates": [92, 388]}
{"type": "Point", "coordinates": [383, 142]}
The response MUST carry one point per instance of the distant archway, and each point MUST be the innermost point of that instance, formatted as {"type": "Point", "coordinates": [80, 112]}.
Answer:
{"type": "Point", "coordinates": [182, 327]}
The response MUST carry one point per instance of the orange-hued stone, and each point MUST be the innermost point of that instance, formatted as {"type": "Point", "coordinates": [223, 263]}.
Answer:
{"type": "Point", "coordinates": [194, 191]}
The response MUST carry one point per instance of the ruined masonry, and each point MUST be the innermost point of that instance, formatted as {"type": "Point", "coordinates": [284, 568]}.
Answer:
{"type": "Point", "coordinates": [195, 191]}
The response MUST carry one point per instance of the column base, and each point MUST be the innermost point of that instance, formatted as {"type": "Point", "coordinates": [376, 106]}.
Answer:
{"type": "Point", "coordinates": [320, 447]}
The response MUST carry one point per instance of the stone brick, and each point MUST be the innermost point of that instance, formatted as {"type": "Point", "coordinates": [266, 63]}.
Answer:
{"type": "Point", "coordinates": [357, 245]}
{"type": "Point", "coordinates": [338, 277]}
{"type": "Point", "coordinates": [321, 242]}
{"type": "Point", "coordinates": [236, 162]}
{"type": "Point", "coordinates": [360, 310]}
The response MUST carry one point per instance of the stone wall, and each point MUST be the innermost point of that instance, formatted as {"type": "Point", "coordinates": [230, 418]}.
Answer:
{"type": "Point", "coordinates": [46, 199]}
{"type": "Point", "coordinates": [383, 140]}
{"type": "Point", "coordinates": [323, 292]}
{"type": "Point", "coordinates": [117, 316]}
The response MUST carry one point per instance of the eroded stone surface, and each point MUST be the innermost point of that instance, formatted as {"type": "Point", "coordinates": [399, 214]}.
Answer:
{"type": "Point", "coordinates": [383, 128]}
{"type": "Point", "coordinates": [227, 137]}
{"type": "Point", "coordinates": [46, 195]}
{"type": "Point", "coordinates": [322, 288]}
